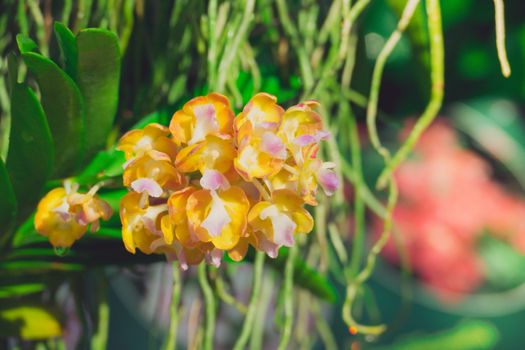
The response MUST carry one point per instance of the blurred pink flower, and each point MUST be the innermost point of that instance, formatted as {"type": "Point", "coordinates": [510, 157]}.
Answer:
{"type": "Point", "coordinates": [447, 199]}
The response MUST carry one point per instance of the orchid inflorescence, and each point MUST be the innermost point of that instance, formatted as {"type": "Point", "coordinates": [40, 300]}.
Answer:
{"type": "Point", "coordinates": [212, 183]}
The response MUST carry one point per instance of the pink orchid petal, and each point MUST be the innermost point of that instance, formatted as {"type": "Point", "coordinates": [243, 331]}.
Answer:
{"type": "Point", "coordinates": [270, 248]}
{"type": "Point", "coordinates": [150, 226]}
{"type": "Point", "coordinates": [214, 257]}
{"type": "Point", "coordinates": [217, 217]}
{"type": "Point", "coordinates": [323, 135]}
{"type": "Point", "coordinates": [183, 262]}
{"type": "Point", "coordinates": [63, 211]}
{"type": "Point", "coordinates": [213, 180]}
{"type": "Point", "coordinates": [205, 122]}
{"type": "Point", "coordinates": [328, 181]}
{"type": "Point", "coordinates": [304, 140]}
{"type": "Point", "coordinates": [283, 226]}
{"type": "Point", "coordinates": [82, 218]}
{"type": "Point", "coordinates": [159, 242]}
{"type": "Point", "coordinates": [150, 186]}
{"type": "Point", "coordinates": [273, 145]}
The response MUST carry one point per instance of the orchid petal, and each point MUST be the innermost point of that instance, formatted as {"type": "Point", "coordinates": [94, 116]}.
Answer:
{"type": "Point", "coordinates": [150, 186]}
{"type": "Point", "coordinates": [217, 217]}
{"type": "Point", "coordinates": [214, 180]}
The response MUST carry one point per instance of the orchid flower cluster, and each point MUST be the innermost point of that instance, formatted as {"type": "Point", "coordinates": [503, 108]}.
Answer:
{"type": "Point", "coordinates": [212, 183]}
{"type": "Point", "coordinates": [64, 214]}
{"type": "Point", "coordinates": [208, 184]}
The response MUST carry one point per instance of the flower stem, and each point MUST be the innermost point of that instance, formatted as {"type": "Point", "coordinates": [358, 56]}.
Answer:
{"type": "Point", "coordinates": [252, 307]}
{"type": "Point", "coordinates": [288, 298]}
{"type": "Point", "coordinates": [171, 342]}
{"type": "Point", "coordinates": [371, 112]}
{"type": "Point", "coordinates": [437, 57]}
{"type": "Point", "coordinates": [209, 303]}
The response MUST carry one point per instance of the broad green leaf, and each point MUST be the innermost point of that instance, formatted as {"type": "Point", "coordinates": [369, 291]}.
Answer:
{"type": "Point", "coordinates": [29, 322]}
{"type": "Point", "coordinates": [26, 44]}
{"type": "Point", "coordinates": [64, 108]}
{"type": "Point", "coordinates": [467, 335]}
{"type": "Point", "coordinates": [7, 202]}
{"type": "Point", "coordinates": [98, 76]}
{"type": "Point", "coordinates": [30, 156]}
{"type": "Point", "coordinates": [15, 290]}
{"type": "Point", "coordinates": [36, 265]}
{"type": "Point", "coordinates": [496, 125]}
{"type": "Point", "coordinates": [504, 266]}
{"type": "Point", "coordinates": [68, 48]}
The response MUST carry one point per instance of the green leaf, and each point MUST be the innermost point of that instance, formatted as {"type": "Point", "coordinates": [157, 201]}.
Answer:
{"type": "Point", "coordinates": [7, 202]}
{"type": "Point", "coordinates": [497, 126]}
{"type": "Point", "coordinates": [26, 44]}
{"type": "Point", "coordinates": [30, 156]}
{"type": "Point", "coordinates": [16, 290]}
{"type": "Point", "coordinates": [504, 266]}
{"type": "Point", "coordinates": [467, 335]}
{"type": "Point", "coordinates": [68, 48]}
{"type": "Point", "coordinates": [29, 322]}
{"type": "Point", "coordinates": [64, 108]}
{"type": "Point", "coordinates": [98, 78]}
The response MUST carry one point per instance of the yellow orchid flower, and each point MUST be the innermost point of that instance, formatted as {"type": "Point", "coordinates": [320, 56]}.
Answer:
{"type": "Point", "coordinates": [63, 215]}
{"type": "Point", "coordinates": [153, 138]}
{"type": "Point", "coordinates": [314, 172]}
{"type": "Point", "coordinates": [261, 157]}
{"type": "Point", "coordinates": [262, 113]}
{"type": "Point", "coordinates": [186, 255]}
{"type": "Point", "coordinates": [176, 225]}
{"type": "Point", "coordinates": [300, 128]}
{"type": "Point", "coordinates": [180, 241]}
{"type": "Point", "coordinates": [141, 226]}
{"type": "Point", "coordinates": [286, 178]}
{"type": "Point", "coordinates": [217, 213]}
{"type": "Point", "coordinates": [200, 117]}
{"type": "Point", "coordinates": [239, 251]}
{"type": "Point", "coordinates": [177, 242]}
{"type": "Point", "coordinates": [89, 208]}
{"type": "Point", "coordinates": [153, 174]}
{"type": "Point", "coordinates": [257, 240]}
{"type": "Point", "coordinates": [52, 221]}
{"type": "Point", "coordinates": [281, 218]}
{"type": "Point", "coordinates": [213, 153]}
